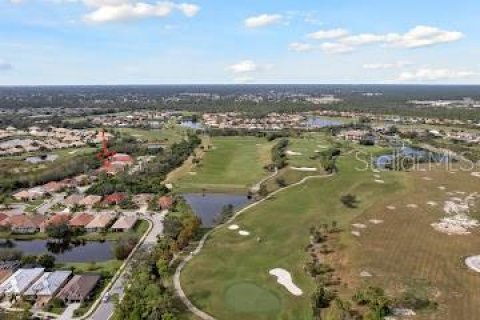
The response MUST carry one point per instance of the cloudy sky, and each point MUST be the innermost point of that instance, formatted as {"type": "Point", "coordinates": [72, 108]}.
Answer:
{"type": "Point", "coordinates": [244, 41]}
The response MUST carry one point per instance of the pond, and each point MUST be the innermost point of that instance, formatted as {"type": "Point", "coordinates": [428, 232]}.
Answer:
{"type": "Point", "coordinates": [90, 251]}
{"type": "Point", "coordinates": [42, 158]}
{"type": "Point", "coordinates": [209, 206]}
{"type": "Point", "coordinates": [420, 155]}
{"type": "Point", "coordinates": [322, 122]}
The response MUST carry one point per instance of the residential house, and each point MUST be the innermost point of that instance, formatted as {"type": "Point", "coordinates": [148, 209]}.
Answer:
{"type": "Point", "coordinates": [47, 286]}
{"type": "Point", "coordinates": [79, 288]}
{"type": "Point", "coordinates": [31, 194]}
{"type": "Point", "coordinates": [56, 219]}
{"type": "Point", "coordinates": [100, 223]}
{"type": "Point", "coordinates": [354, 135]}
{"type": "Point", "coordinates": [165, 202]}
{"type": "Point", "coordinates": [23, 224]}
{"type": "Point", "coordinates": [20, 281]}
{"type": "Point", "coordinates": [115, 198]}
{"type": "Point", "coordinates": [3, 216]}
{"type": "Point", "coordinates": [91, 200]}
{"type": "Point", "coordinates": [73, 200]}
{"type": "Point", "coordinates": [80, 221]}
{"type": "Point", "coordinates": [53, 186]}
{"type": "Point", "coordinates": [124, 224]}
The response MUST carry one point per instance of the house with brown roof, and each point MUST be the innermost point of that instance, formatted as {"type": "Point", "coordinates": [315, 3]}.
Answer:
{"type": "Point", "coordinates": [165, 202]}
{"type": "Point", "coordinates": [73, 199]}
{"type": "Point", "coordinates": [91, 200]}
{"type": "Point", "coordinates": [79, 288]}
{"type": "Point", "coordinates": [23, 224]}
{"type": "Point", "coordinates": [115, 198]}
{"type": "Point", "coordinates": [80, 220]}
{"type": "Point", "coordinates": [124, 224]}
{"type": "Point", "coordinates": [3, 216]}
{"type": "Point", "coordinates": [100, 223]}
{"type": "Point", "coordinates": [53, 186]}
{"type": "Point", "coordinates": [56, 219]}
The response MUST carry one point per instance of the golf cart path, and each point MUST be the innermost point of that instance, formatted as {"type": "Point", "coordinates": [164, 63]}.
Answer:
{"type": "Point", "coordinates": [176, 278]}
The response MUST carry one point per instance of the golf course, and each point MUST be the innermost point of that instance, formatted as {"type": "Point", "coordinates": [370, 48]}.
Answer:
{"type": "Point", "coordinates": [389, 236]}
{"type": "Point", "coordinates": [228, 164]}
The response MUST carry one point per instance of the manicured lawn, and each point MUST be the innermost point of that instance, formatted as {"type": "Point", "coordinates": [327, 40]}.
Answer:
{"type": "Point", "coordinates": [232, 164]}
{"type": "Point", "coordinates": [171, 135]}
{"type": "Point", "coordinates": [230, 264]}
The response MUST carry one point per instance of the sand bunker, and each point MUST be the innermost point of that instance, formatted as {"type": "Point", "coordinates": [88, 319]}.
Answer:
{"type": "Point", "coordinates": [376, 170]}
{"type": "Point", "coordinates": [442, 188]}
{"type": "Point", "coordinates": [243, 233]}
{"type": "Point", "coordinates": [403, 312]}
{"type": "Point", "coordinates": [356, 233]}
{"type": "Point", "coordinates": [457, 222]}
{"type": "Point", "coordinates": [473, 263]}
{"type": "Point", "coordinates": [476, 174]}
{"type": "Point", "coordinates": [391, 208]}
{"type": "Point", "coordinates": [380, 181]}
{"type": "Point", "coordinates": [305, 169]}
{"type": "Point", "coordinates": [377, 176]}
{"type": "Point", "coordinates": [427, 178]}
{"type": "Point", "coordinates": [293, 153]}
{"type": "Point", "coordinates": [432, 203]}
{"type": "Point", "coordinates": [284, 278]}
{"type": "Point", "coordinates": [365, 274]}
{"type": "Point", "coordinates": [376, 221]}
{"type": "Point", "coordinates": [233, 227]}
{"type": "Point", "coordinates": [412, 206]}
{"type": "Point", "coordinates": [359, 225]}
{"type": "Point", "coordinates": [192, 173]}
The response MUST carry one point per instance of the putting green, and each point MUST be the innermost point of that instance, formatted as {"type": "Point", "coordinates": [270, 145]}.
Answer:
{"type": "Point", "coordinates": [245, 297]}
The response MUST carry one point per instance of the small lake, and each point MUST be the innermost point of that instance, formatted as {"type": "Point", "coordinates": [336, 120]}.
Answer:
{"type": "Point", "coordinates": [420, 155]}
{"type": "Point", "coordinates": [321, 122]}
{"type": "Point", "coordinates": [42, 158]}
{"type": "Point", "coordinates": [91, 251]}
{"type": "Point", "coordinates": [208, 206]}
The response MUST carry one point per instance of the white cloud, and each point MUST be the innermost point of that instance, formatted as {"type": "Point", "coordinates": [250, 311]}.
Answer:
{"type": "Point", "coordinates": [427, 74]}
{"type": "Point", "coordinates": [243, 67]}
{"type": "Point", "coordinates": [419, 36]}
{"type": "Point", "coordinates": [115, 10]}
{"type": "Point", "coordinates": [300, 47]}
{"type": "Point", "coordinates": [335, 48]}
{"type": "Point", "coordinates": [262, 20]}
{"type": "Point", "coordinates": [380, 66]}
{"type": "Point", "coordinates": [328, 34]}
{"type": "Point", "coordinates": [4, 65]}
{"type": "Point", "coordinates": [423, 36]}
{"type": "Point", "coordinates": [341, 41]}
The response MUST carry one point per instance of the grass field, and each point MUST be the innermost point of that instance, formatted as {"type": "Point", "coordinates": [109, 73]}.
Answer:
{"type": "Point", "coordinates": [233, 265]}
{"type": "Point", "coordinates": [171, 135]}
{"type": "Point", "coordinates": [232, 164]}
{"type": "Point", "coordinates": [229, 278]}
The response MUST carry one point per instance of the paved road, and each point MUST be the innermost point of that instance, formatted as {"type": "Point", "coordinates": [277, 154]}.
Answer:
{"type": "Point", "coordinates": [105, 309]}
{"type": "Point", "coordinates": [43, 208]}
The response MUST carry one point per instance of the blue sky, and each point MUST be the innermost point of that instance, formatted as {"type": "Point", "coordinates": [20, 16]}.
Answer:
{"type": "Point", "coordinates": [245, 41]}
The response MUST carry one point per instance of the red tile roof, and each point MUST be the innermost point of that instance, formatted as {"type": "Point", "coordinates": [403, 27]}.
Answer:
{"type": "Point", "coordinates": [114, 198]}
{"type": "Point", "coordinates": [81, 220]}
{"type": "Point", "coordinates": [165, 202]}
